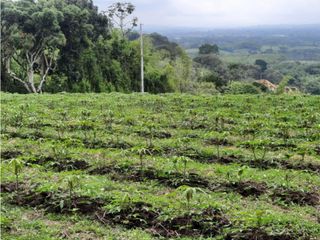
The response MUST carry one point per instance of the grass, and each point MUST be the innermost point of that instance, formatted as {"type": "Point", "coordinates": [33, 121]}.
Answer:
{"type": "Point", "coordinates": [97, 156]}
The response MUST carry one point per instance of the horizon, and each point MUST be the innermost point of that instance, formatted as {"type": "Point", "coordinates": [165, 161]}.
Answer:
{"type": "Point", "coordinates": [218, 14]}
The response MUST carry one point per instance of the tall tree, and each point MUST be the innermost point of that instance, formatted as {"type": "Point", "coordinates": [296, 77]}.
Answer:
{"type": "Point", "coordinates": [32, 35]}
{"type": "Point", "coordinates": [120, 15]}
{"type": "Point", "coordinates": [263, 66]}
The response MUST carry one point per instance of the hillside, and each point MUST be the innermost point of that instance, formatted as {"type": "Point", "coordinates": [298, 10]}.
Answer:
{"type": "Point", "coordinates": [117, 166]}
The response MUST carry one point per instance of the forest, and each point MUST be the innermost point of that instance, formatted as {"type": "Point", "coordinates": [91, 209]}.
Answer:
{"type": "Point", "coordinates": [71, 46]}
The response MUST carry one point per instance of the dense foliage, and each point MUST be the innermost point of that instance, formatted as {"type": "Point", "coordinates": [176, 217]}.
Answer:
{"type": "Point", "coordinates": [68, 45]}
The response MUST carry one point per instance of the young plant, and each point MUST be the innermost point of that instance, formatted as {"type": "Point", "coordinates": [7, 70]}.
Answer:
{"type": "Point", "coordinates": [184, 160]}
{"type": "Point", "coordinates": [189, 193]}
{"type": "Point", "coordinates": [303, 150]}
{"type": "Point", "coordinates": [259, 217]}
{"type": "Point", "coordinates": [17, 119]}
{"type": "Point", "coordinates": [141, 151]}
{"type": "Point", "coordinates": [287, 179]}
{"type": "Point", "coordinates": [284, 131]}
{"type": "Point", "coordinates": [108, 119]}
{"type": "Point", "coordinates": [218, 141]}
{"type": "Point", "coordinates": [72, 182]}
{"type": "Point", "coordinates": [61, 129]}
{"type": "Point", "coordinates": [64, 116]}
{"type": "Point", "coordinates": [85, 126]}
{"type": "Point", "coordinates": [17, 165]}
{"type": "Point", "coordinates": [240, 173]}
{"type": "Point", "coordinates": [85, 115]}
{"type": "Point", "coordinates": [175, 161]}
{"type": "Point", "coordinates": [60, 151]}
{"type": "Point", "coordinates": [151, 128]}
{"type": "Point", "coordinates": [258, 145]}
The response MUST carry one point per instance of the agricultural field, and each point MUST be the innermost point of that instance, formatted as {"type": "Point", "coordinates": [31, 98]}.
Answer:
{"type": "Point", "coordinates": [132, 166]}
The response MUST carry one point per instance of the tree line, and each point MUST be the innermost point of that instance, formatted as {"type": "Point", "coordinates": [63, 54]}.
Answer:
{"type": "Point", "coordinates": [68, 45]}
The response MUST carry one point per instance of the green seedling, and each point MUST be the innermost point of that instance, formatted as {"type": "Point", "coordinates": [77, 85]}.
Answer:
{"type": "Point", "coordinates": [142, 152]}
{"type": "Point", "coordinates": [240, 173]}
{"type": "Point", "coordinates": [189, 193]}
{"type": "Point", "coordinates": [17, 165]}
{"type": "Point", "coordinates": [72, 182]}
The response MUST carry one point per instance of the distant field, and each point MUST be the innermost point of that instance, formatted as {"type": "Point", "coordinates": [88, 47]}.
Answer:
{"type": "Point", "coordinates": [250, 58]}
{"type": "Point", "coordinates": [117, 166]}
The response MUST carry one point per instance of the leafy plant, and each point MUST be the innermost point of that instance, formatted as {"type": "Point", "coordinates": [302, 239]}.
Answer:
{"type": "Point", "coordinates": [108, 119]}
{"type": "Point", "coordinates": [141, 151]}
{"type": "Point", "coordinates": [72, 182]}
{"type": "Point", "coordinates": [189, 193]}
{"type": "Point", "coordinates": [240, 173]}
{"type": "Point", "coordinates": [258, 145]}
{"type": "Point", "coordinates": [259, 214]}
{"type": "Point", "coordinates": [303, 150]}
{"type": "Point", "coordinates": [17, 164]}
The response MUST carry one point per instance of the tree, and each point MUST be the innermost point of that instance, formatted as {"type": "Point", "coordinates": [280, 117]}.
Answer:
{"type": "Point", "coordinates": [33, 34]}
{"type": "Point", "coordinates": [85, 30]}
{"type": "Point", "coordinates": [209, 61]}
{"type": "Point", "coordinates": [215, 78]}
{"type": "Point", "coordinates": [119, 14]}
{"type": "Point", "coordinates": [208, 49]}
{"type": "Point", "coordinates": [263, 66]}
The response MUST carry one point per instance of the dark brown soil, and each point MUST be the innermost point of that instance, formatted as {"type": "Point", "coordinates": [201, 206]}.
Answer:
{"type": "Point", "coordinates": [298, 197]}
{"type": "Point", "coordinates": [133, 173]}
{"type": "Point", "coordinates": [57, 202]}
{"type": "Point", "coordinates": [260, 234]}
{"type": "Point", "coordinates": [134, 215]}
{"type": "Point", "coordinates": [174, 179]}
{"type": "Point", "coordinates": [157, 134]}
{"type": "Point", "coordinates": [8, 187]}
{"type": "Point", "coordinates": [248, 188]}
{"type": "Point", "coordinates": [69, 165]}
{"type": "Point", "coordinates": [100, 144]}
{"type": "Point", "coordinates": [208, 223]}
{"type": "Point", "coordinates": [66, 164]}
{"type": "Point", "coordinates": [216, 141]}
{"type": "Point", "coordinates": [9, 154]}
{"type": "Point", "coordinates": [278, 146]}
{"type": "Point", "coordinates": [227, 159]}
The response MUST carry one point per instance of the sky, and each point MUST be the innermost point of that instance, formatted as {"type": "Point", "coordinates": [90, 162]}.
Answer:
{"type": "Point", "coordinates": [222, 13]}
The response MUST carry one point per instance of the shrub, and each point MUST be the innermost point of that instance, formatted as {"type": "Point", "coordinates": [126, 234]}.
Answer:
{"type": "Point", "coordinates": [203, 88]}
{"type": "Point", "coordinates": [242, 88]}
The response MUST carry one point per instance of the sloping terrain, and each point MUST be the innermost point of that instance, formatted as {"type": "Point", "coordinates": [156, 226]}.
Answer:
{"type": "Point", "coordinates": [117, 166]}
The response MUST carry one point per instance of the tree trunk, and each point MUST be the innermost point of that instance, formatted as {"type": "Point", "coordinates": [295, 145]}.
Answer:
{"type": "Point", "coordinates": [31, 79]}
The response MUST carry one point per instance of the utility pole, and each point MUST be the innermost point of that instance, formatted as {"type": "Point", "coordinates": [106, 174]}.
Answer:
{"type": "Point", "coordinates": [142, 60]}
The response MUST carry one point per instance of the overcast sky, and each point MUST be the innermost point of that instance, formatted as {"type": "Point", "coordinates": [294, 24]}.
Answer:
{"type": "Point", "coordinates": [223, 13]}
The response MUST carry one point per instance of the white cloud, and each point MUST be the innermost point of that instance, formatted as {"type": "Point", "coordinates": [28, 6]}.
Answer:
{"type": "Point", "coordinates": [224, 13]}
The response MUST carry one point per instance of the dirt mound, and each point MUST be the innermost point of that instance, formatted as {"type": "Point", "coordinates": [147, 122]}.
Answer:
{"type": "Point", "coordinates": [207, 223]}
{"type": "Point", "coordinates": [296, 196]}
{"type": "Point", "coordinates": [248, 188]}
{"type": "Point", "coordinates": [138, 214]}
{"type": "Point", "coordinates": [260, 234]}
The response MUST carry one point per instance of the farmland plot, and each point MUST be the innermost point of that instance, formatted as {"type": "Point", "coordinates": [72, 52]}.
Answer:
{"type": "Point", "coordinates": [117, 166]}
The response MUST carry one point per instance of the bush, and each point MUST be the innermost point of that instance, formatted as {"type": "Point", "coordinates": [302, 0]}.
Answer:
{"type": "Point", "coordinates": [242, 88]}
{"type": "Point", "coordinates": [202, 88]}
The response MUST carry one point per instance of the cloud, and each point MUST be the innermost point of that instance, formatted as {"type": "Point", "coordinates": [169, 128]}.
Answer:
{"type": "Point", "coordinates": [223, 13]}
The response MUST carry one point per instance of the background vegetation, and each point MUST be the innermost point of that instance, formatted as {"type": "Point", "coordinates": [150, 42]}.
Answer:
{"type": "Point", "coordinates": [69, 45]}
